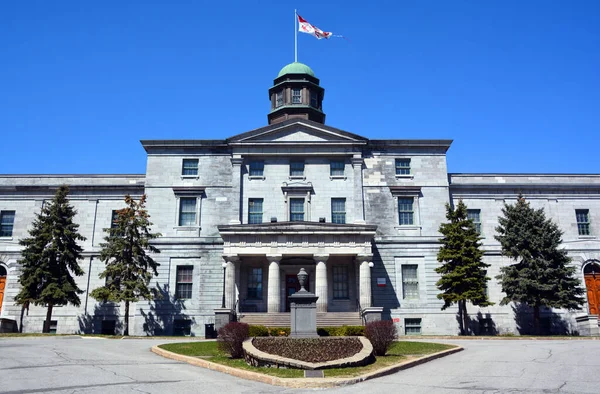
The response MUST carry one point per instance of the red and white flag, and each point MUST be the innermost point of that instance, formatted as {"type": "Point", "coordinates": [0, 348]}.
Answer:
{"type": "Point", "coordinates": [307, 28]}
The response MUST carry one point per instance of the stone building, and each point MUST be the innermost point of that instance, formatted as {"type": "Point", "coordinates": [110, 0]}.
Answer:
{"type": "Point", "coordinates": [240, 216]}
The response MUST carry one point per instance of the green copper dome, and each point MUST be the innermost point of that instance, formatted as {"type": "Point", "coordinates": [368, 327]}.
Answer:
{"type": "Point", "coordinates": [296, 68]}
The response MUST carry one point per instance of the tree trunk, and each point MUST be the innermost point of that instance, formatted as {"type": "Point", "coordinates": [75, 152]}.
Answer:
{"type": "Point", "coordinates": [536, 319]}
{"type": "Point", "coordinates": [126, 328]}
{"type": "Point", "coordinates": [21, 320]}
{"type": "Point", "coordinates": [48, 319]}
{"type": "Point", "coordinates": [465, 317]}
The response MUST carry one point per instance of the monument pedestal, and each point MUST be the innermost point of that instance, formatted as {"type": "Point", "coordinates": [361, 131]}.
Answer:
{"type": "Point", "coordinates": [303, 308]}
{"type": "Point", "coordinates": [223, 316]}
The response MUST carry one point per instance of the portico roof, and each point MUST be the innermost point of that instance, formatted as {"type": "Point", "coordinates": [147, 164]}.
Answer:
{"type": "Point", "coordinates": [298, 228]}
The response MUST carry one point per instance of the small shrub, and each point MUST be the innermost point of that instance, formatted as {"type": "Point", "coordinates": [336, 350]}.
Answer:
{"type": "Point", "coordinates": [328, 331]}
{"type": "Point", "coordinates": [231, 337]}
{"type": "Point", "coordinates": [279, 331]}
{"type": "Point", "coordinates": [382, 334]}
{"type": "Point", "coordinates": [258, 331]}
{"type": "Point", "coordinates": [352, 331]}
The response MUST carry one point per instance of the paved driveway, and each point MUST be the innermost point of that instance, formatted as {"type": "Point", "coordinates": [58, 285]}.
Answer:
{"type": "Point", "coordinates": [83, 365]}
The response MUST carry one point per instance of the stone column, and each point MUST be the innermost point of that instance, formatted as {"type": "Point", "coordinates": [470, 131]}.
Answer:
{"type": "Point", "coordinates": [359, 211]}
{"type": "Point", "coordinates": [230, 285]}
{"type": "Point", "coordinates": [273, 292]}
{"type": "Point", "coordinates": [365, 280]}
{"type": "Point", "coordinates": [236, 189]}
{"type": "Point", "coordinates": [321, 282]}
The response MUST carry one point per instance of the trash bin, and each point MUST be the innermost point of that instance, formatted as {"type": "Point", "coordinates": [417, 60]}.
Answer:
{"type": "Point", "coordinates": [209, 331]}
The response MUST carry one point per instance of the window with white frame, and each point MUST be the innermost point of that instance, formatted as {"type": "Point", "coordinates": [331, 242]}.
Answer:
{"type": "Point", "coordinates": [183, 287]}
{"type": "Point", "coordinates": [336, 168]}
{"type": "Point", "coordinates": [338, 210]}
{"type": "Point", "coordinates": [255, 210]}
{"type": "Point", "coordinates": [257, 168]}
{"type": "Point", "coordinates": [314, 99]}
{"type": "Point", "coordinates": [296, 96]}
{"type": "Point", "coordinates": [187, 211]}
{"type": "Point", "coordinates": [340, 282]}
{"type": "Point", "coordinates": [190, 167]}
{"type": "Point", "coordinates": [406, 211]}
{"type": "Point", "coordinates": [475, 216]}
{"type": "Point", "coordinates": [412, 326]}
{"type": "Point", "coordinates": [279, 99]}
{"type": "Point", "coordinates": [583, 221]}
{"type": "Point", "coordinates": [402, 166]}
{"type": "Point", "coordinates": [410, 281]}
{"type": "Point", "coordinates": [297, 168]}
{"type": "Point", "coordinates": [255, 283]}
{"type": "Point", "coordinates": [7, 221]}
{"type": "Point", "coordinates": [296, 209]}
{"type": "Point", "coordinates": [114, 219]}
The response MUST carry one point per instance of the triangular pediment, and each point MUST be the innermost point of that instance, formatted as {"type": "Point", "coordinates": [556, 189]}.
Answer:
{"type": "Point", "coordinates": [297, 131]}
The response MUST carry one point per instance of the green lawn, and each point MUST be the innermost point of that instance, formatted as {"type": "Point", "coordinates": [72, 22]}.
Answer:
{"type": "Point", "coordinates": [398, 352]}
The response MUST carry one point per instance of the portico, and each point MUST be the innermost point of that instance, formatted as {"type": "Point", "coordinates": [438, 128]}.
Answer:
{"type": "Point", "coordinates": [262, 261]}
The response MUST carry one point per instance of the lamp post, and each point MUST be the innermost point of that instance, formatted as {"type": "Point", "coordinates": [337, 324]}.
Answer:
{"type": "Point", "coordinates": [224, 265]}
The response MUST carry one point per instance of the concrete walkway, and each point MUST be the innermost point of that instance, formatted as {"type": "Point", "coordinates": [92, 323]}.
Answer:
{"type": "Point", "coordinates": [86, 365]}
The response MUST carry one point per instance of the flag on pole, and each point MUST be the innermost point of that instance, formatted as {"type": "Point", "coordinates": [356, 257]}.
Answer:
{"type": "Point", "coordinates": [305, 27]}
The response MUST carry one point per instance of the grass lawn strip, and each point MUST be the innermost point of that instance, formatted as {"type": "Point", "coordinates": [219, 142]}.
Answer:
{"type": "Point", "coordinates": [399, 352]}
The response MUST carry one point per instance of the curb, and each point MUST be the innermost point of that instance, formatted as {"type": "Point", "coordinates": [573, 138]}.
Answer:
{"type": "Point", "coordinates": [303, 382]}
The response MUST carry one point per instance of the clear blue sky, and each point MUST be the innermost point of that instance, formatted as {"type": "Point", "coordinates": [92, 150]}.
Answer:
{"type": "Point", "coordinates": [515, 84]}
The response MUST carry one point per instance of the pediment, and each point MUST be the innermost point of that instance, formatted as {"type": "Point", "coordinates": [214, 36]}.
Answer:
{"type": "Point", "coordinates": [297, 131]}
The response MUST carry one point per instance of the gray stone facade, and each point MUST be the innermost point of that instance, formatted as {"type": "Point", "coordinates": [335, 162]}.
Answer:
{"type": "Point", "coordinates": [383, 255]}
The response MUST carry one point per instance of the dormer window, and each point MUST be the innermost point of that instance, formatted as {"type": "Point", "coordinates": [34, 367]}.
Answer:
{"type": "Point", "coordinates": [296, 96]}
{"type": "Point", "coordinates": [279, 99]}
{"type": "Point", "coordinates": [314, 99]}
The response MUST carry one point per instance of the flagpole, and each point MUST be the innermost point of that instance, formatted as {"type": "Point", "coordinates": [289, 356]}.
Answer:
{"type": "Point", "coordinates": [295, 36]}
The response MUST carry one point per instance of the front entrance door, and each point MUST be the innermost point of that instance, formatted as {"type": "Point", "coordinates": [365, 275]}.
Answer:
{"type": "Point", "coordinates": [592, 285]}
{"type": "Point", "coordinates": [292, 286]}
{"type": "Point", "coordinates": [2, 286]}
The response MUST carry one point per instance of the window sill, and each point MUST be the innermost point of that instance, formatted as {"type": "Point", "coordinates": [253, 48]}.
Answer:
{"type": "Point", "coordinates": [6, 239]}
{"type": "Point", "coordinates": [297, 177]}
{"type": "Point", "coordinates": [408, 227]}
{"type": "Point", "coordinates": [256, 177]}
{"type": "Point", "coordinates": [579, 237]}
{"type": "Point", "coordinates": [332, 177]}
{"type": "Point", "coordinates": [187, 228]}
{"type": "Point", "coordinates": [189, 176]}
{"type": "Point", "coordinates": [405, 176]}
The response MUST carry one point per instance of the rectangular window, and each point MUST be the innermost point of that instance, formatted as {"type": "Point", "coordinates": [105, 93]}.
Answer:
{"type": "Point", "coordinates": [475, 216]}
{"type": "Point", "coordinates": [296, 168]}
{"type": "Point", "coordinates": [255, 284]}
{"type": "Point", "coordinates": [296, 96]}
{"type": "Point", "coordinates": [190, 167]}
{"type": "Point", "coordinates": [583, 221]}
{"type": "Point", "coordinates": [108, 327]}
{"type": "Point", "coordinates": [336, 168]}
{"type": "Point", "coordinates": [182, 327]}
{"type": "Point", "coordinates": [412, 326]}
{"type": "Point", "coordinates": [314, 100]}
{"type": "Point", "coordinates": [114, 218]}
{"type": "Point", "coordinates": [296, 209]}
{"type": "Point", "coordinates": [410, 282]}
{"type": "Point", "coordinates": [7, 221]}
{"type": "Point", "coordinates": [340, 282]}
{"type": "Point", "coordinates": [402, 166]}
{"type": "Point", "coordinates": [405, 211]}
{"type": "Point", "coordinates": [51, 328]}
{"type": "Point", "coordinates": [279, 99]}
{"type": "Point", "coordinates": [257, 168]}
{"type": "Point", "coordinates": [183, 287]}
{"type": "Point", "coordinates": [338, 210]}
{"type": "Point", "coordinates": [255, 210]}
{"type": "Point", "coordinates": [187, 211]}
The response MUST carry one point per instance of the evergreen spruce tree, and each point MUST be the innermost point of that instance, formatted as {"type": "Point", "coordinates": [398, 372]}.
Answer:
{"type": "Point", "coordinates": [463, 270]}
{"type": "Point", "coordinates": [128, 266]}
{"type": "Point", "coordinates": [541, 275]}
{"type": "Point", "coordinates": [50, 258]}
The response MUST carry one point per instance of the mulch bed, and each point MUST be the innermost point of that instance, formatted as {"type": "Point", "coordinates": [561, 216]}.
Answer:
{"type": "Point", "coordinates": [312, 350]}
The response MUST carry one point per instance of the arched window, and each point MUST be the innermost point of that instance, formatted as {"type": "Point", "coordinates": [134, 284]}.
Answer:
{"type": "Point", "coordinates": [2, 271]}
{"type": "Point", "coordinates": [592, 268]}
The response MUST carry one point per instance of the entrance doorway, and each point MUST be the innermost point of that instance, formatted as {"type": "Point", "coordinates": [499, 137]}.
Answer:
{"type": "Point", "coordinates": [591, 273]}
{"type": "Point", "coordinates": [2, 284]}
{"type": "Point", "coordinates": [292, 286]}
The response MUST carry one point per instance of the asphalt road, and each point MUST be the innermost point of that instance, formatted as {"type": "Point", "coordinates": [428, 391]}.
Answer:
{"type": "Point", "coordinates": [85, 365]}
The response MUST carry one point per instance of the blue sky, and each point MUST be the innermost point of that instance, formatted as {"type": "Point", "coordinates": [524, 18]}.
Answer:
{"type": "Point", "coordinates": [515, 84]}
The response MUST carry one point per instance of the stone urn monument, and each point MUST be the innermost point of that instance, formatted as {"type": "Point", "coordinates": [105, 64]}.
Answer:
{"type": "Point", "coordinates": [303, 307]}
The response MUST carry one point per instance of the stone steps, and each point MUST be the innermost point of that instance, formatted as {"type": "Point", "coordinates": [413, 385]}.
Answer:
{"type": "Point", "coordinates": [334, 319]}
